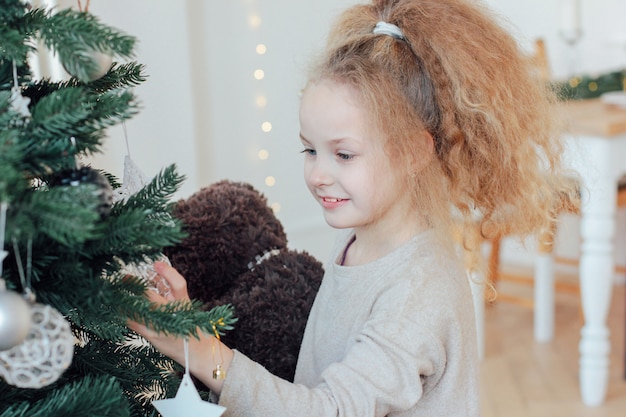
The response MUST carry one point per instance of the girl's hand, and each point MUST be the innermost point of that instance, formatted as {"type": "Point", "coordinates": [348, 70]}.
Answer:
{"type": "Point", "coordinates": [170, 346]}
{"type": "Point", "coordinates": [204, 353]}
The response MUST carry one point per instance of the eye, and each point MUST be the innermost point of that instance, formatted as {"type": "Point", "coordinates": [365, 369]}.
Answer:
{"type": "Point", "coordinates": [309, 151]}
{"type": "Point", "coordinates": [344, 156]}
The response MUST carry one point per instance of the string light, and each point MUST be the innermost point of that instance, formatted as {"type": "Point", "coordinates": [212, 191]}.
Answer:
{"type": "Point", "coordinates": [261, 101]}
{"type": "Point", "coordinates": [254, 21]}
{"type": "Point", "coordinates": [275, 207]}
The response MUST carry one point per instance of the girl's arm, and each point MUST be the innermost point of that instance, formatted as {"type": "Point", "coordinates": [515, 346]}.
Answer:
{"type": "Point", "coordinates": [205, 353]}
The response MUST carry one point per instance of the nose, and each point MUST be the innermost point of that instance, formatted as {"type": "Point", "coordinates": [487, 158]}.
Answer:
{"type": "Point", "coordinates": [317, 173]}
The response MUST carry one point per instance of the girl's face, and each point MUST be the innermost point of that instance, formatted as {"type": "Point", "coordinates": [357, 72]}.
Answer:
{"type": "Point", "coordinates": [346, 168]}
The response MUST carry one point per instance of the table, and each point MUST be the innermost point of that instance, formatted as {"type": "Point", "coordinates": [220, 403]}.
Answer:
{"type": "Point", "coordinates": [596, 148]}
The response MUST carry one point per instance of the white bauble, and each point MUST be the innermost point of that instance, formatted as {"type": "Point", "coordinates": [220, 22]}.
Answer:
{"type": "Point", "coordinates": [14, 319]}
{"type": "Point", "coordinates": [102, 60]}
{"type": "Point", "coordinates": [44, 355]}
{"type": "Point", "coordinates": [145, 271]}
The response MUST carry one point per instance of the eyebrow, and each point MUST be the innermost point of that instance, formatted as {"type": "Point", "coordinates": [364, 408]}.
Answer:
{"type": "Point", "coordinates": [332, 141]}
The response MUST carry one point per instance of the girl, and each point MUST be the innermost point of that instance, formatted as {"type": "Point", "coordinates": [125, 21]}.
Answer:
{"type": "Point", "coordinates": [420, 118]}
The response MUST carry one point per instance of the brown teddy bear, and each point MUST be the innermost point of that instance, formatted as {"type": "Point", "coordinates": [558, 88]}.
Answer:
{"type": "Point", "coordinates": [236, 253]}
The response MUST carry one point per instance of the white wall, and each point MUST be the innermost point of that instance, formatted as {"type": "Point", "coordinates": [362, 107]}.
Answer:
{"type": "Point", "coordinates": [603, 43]}
{"type": "Point", "coordinates": [199, 107]}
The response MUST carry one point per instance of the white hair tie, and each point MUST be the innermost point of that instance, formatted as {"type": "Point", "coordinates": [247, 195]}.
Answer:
{"type": "Point", "coordinates": [389, 29]}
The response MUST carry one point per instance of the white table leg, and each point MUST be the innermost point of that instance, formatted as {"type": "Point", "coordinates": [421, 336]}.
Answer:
{"type": "Point", "coordinates": [596, 272]}
{"type": "Point", "coordinates": [544, 297]}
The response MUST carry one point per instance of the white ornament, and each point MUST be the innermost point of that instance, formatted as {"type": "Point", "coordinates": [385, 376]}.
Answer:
{"type": "Point", "coordinates": [145, 271]}
{"type": "Point", "coordinates": [102, 61]}
{"type": "Point", "coordinates": [44, 355]}
{"type": "Point", "coordinates": [19, 103]}
{"type": "Point", "coordinates": [187, 403]}
{"type": "Point", "coordinates": [14, 319]}
{"type": "Point", "coordinates": [134, 180]}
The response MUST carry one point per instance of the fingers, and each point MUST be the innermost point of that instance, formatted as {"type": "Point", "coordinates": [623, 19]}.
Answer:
{"type": "Point", "coordinates": [137, 327]}
{"type": "Point", "coordinates": [167, 344]}
{"type": "Point", "coordinates": [174, 279]}
{"type": "Point", "coordinates": [156, 298]}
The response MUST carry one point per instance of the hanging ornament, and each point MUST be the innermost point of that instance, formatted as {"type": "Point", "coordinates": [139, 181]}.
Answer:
{"type": "Point", "coordinates": [78, 176]}
{"type": "Point", "coordinates": [18, 103]}
{"type": "Point", "coordinates": [14, 318]}
{"type": "Point", "coordinates": [145, 271]}
{"type": "Point", "coordinates": [87, 175]}
{"type": "Point", "coordinates": [14, 310]}
{"type": "Point", "coordinates": [48, 348]}
{"type": "Point", "coordinates": [134, 180]}
{"type": "Point", "coordinates": [44, 355]}
{"type": "Point", "coordinates": [187, 401]}
{"type": "Point", "coordinates": [101, 61]}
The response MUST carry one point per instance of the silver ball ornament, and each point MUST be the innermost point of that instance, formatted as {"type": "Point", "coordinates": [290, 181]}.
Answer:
{"type": "Point", "coordinates": [44, 355]}
{"type": "Point", "coordinates": [101, 61]}
{"type": "Point", "coordinates": [15, 319]}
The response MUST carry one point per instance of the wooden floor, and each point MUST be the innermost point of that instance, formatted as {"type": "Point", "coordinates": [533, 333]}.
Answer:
{"type": "Point", "coordinates": [521, 377]}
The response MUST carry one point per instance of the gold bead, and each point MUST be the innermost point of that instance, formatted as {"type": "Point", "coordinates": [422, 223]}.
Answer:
{"type": "Point", "coordinates": [219, 373]}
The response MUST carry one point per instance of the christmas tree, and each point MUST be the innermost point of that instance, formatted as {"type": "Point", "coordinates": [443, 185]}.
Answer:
{"type": "Point", "coordinates": [70, 250]}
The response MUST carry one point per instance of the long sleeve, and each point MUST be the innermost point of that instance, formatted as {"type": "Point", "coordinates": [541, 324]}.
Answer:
{"type": "Point", "coordinates": [395, 337]}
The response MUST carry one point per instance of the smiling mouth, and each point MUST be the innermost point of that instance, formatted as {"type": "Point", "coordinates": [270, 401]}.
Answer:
{"type": "Point", "coordinates": [333, 200]}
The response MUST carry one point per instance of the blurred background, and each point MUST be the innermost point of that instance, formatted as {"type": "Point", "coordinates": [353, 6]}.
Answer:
{"type": "Point", "coordinates": [221, 100]}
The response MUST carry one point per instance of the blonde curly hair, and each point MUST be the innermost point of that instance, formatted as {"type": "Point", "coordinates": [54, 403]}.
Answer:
{"type": "Point", "coordinates": [458, 75]}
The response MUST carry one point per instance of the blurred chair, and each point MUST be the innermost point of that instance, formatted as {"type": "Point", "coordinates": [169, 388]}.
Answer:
{"type": "Point", "coordinates": [495, 274]}
{"type": "Point", "coordinates": [543, 298]}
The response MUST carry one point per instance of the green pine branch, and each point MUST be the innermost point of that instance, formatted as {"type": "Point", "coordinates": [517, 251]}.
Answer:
{"type": "Point", "coordinates": [16, 27]}
{"type": "Point", "coordinates": [182, 317]}
{"type": "Point", "coordinates": [126, 75]}
{"type": "Point", "coordinates": [142, 372]}
{"type": "Point", "coordinates": [70, 400]}
{"type": "Point", "coordinates": [11, 169]}
{"type": "Point", "coordinates": [142, 226]}
{"type": "Point", "coordinates": [75, 112]}
{"type": "Point", "coordinates": [46, 212]}
{"type": "Point", "coordinates": [59, 112]}
{"type": "Point", "coordinates": [77, 36]}
{"type": "Point", "coordinates": [157, 194]}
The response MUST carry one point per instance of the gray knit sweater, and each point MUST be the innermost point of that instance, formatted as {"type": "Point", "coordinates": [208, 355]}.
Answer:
{"type": "Point", "coordinates": [395, 337]}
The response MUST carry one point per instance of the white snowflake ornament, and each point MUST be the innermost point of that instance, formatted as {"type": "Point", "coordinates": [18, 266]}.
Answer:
{"type": "Point", "coordinates": [134, 180]}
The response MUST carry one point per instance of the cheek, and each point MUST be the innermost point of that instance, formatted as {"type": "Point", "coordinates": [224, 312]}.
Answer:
{"type": "Point", "coordinates": [306, 171]}
{"type": "Point", "coordinates": [385, 185]}
{"type": "Point", "coordinates": [307, 174]}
